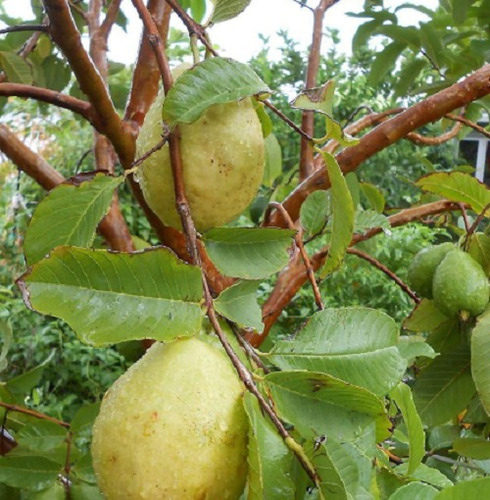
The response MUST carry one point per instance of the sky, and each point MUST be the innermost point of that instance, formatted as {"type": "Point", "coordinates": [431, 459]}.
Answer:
{"type": "Point", "coordinates": [239, 37]}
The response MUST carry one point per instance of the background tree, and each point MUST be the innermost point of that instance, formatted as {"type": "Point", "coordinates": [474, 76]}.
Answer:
{"type": "Point", "coordinates": [347, 369]}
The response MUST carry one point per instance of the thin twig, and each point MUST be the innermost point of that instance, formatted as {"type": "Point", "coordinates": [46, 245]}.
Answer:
{"type": "Point", "coordinates": [457, 463]}
{"type": "Point", "coordinates": [33, 413]}
{"type": "Point", "coordinates": [479, 218]}
{"type": "Point", "coordinates": [464, 214]}
{"type": "Point", "coordinates": [304, 255]}
{"type": "Point", "coordinates": [288, 121]}
{"type": "Point", "coordinates": [249, 350]}
{"type": "Point", "coordinates": [376, 263]}
{"type": "Point", "coordinates": [469, 123]}
{"type": "Point", "coordinates": [24, 27]}
{"type": "Point", "coordinates": [192, 27]}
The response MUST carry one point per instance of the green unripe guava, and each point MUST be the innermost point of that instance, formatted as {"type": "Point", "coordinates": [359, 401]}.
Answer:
{"type": "Point", "coordinates": [222, 158]}
{"type": "Point", "coordinates": [460, 285]}
{"type": "Point", "coordinates": [423, 266]}
{"type": "Point", "coordinates": [173, 427]}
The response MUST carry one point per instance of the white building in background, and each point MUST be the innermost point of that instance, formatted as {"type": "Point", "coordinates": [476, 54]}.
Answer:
{"type": "Point", "coordinates": [475, 149]}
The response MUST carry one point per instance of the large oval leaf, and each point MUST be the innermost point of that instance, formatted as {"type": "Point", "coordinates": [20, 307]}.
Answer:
{"type": "Point", "coordinates": [357, 345]}
{"type": "Point", "coordinates": [248, 253]}
{"type": "Point", "coordinates": [459, 187]}
{"type": "Point", "coordinates": [69, 215]}
{"type": "Point", "coordinates": [445, 387]}
{"type": "Point", "coordinates": [227, 9]}
{"type": "Point", "coordinates": [213, 81]}
{"type": "Point", "coordinates": [112, 297]}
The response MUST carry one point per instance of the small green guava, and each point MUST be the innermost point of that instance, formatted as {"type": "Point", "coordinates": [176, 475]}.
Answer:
{"type": "Point", "coordinates": [222, 158]}
{"type": "Point", "coordinates": [173, 427]}
{"type": "Point", "coordinates": [460, 285]}
{"type": "Point", "coordinates": [423, 266]}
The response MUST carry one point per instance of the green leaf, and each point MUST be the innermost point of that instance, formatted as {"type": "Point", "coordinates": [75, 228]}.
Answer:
{"type": "Point", "coordinates": [248, 253]}
{"type": "Point", "coordinates": [55, 492]}
{"type": "Point", "coordinates": [112, 297]}
{"type": "Point", "coordinates": [332, 484]}
{"type": "Point", "coordinates": [477, 448]}
{"type": "Point", "coordinates": [198, 9]}
{"type": "Point", "coordinates": [227, 9]}
{"type": "Point", "coordinates": [320, 99]}
{"type": "Point", "coordinates": [369, 219]}
{"type": "Point", "coordinates": [374, 196]}
{"type": "Point", "coordinates": [85, 492]}
{"type": "Point", "coordinates": [22, 384]}
{"type": "Point", "coordinates": [30, 473]}
{"type": "Point", "coordinates": [465, 490]}
{"type": "Point", "coordinates": [478, 246]}
{"type": "Point", "coordinates": [41, 436]}
{"type": "Point", "coordinates": [411, 347]}
{"type": "Point", "coordinates": [314, 211]}
{"type": "Point", "coordinates": [342, 216]}
{"type": "Point", "coordinates": [7, 337]}
{"type": "Point", "coordinates": [69, 215]}
{"type": "Point", "coordinates": [15, 67]}
{"type": "Point", "coordinates": [458, 187]}
{"type": "Point", "coordinates": [425, 317]}
{"type": "Point", "coordinates": [319, 392]}
{"type": "Point", "coordinates": [402, 395]}
{"type": "Point", "coordinates": [213, 81]}
{"type": "Point", "coordinates": [414, 491]}
{"type": "Point", "coordinates": [431, 39]}
{"type": "Point", "coordinates": [273, 160]}
{"type": "Point", "coordinates": [270, 460]}
{"type": "Point", "coordinates": [84, 418]}
{"type": "Point", "coordinates": [426, 474]}
{"type": "Point", "coordinates": [56, 73]}
{"type": "Point", "coordinates": [480, 352]}
{"type": "Point", "coordinates": [83, 469]}
{"type": "Point", "coordinates": [445, 387]}
{"type": "Point", "coordinates": [384, 62]}
{"type": "Point", "coordinates": [357, 345]}
{"type": "Point", "coordinates": [238, 303]}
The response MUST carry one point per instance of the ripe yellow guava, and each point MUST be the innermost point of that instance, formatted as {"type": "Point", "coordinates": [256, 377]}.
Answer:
{"type": "Point", "coordinates": [173, 427]}
{"type": "Point", "coordinates": [223, 163]}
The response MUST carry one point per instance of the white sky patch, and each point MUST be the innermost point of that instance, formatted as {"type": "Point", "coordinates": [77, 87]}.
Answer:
{"type": "Point", "coordinates": [239, 37]}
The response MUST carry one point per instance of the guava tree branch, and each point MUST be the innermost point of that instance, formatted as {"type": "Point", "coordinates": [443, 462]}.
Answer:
{"type": "Point", "coordinates": [423, 140]}
{"type": "Point", "coordinates": [24, 27]}
{"type": "Point", "coordinates": [293, 277]}
{"type": "Point", "coordinates": [146, 76]}
{"type": "Point", "coordinates": [65, 34]}
{"type": "Point", "coordinates": [460, 94]}
{"type": "Point", "coordinates": [469, 123]}
{"type": "Point", "coordinates": [113, 227]}
{"type": "Point", "coordinates": [82, 108]}
{"type": "Point", "coordinates": [306, 166]}
{"type": "Point", "coordinates": [110, 19]}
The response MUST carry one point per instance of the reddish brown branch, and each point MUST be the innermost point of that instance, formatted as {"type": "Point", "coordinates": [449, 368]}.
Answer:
{"type": "Point", "coordinates": [82, 108]}
{"type": "Point", "coordinates": [35, 414]}
{"type": "Point", "coordinates": [431, 109]}
{"type": "Point", "coordinates": [110, 19]}
{"type": "Point", "coordinates": [24, 27]}
{"type": "Point", "coordinates": [469, 123]}
{"type": "Point", "coordinates": [423, 140]}
{"type": "Point", "coordinates": [306, 166]}
{"type": "Point", "coordinates": [376, 263]}
{"type": "Point", "coordinates": [111, 227]}
{"type": "Point", "coordinates": [146, 76]}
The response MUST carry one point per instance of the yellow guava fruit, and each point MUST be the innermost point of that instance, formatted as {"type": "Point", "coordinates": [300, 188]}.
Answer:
{"type": "Point", "coordinates": [222, 159]}
{"type": "Point", "coordinates": [173, 427]}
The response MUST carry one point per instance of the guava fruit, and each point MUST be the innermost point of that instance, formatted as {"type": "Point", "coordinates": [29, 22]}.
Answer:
{"type": "Point", "coordinates": [173, 427]}
{"type": "Point", "coordinates": [460, 285]}
{"type": "Point", "coordinates": [423, 266]}
{"type": "Point", "coordinates": [223, 163]}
